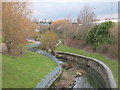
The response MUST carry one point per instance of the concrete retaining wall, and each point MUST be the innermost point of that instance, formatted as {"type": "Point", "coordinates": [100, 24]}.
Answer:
{"type": "Point", "coordinates": [98, 66]}
{"type": "Point", "coordinates": [51, 76]}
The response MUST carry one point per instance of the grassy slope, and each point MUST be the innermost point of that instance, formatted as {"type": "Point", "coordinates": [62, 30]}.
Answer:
{"type": "Point", "coordinates": [0, 70]}
{"type": "Point", "coordinates": [25, 71]}
{"type": "Point", "coordinates": [0, 39]}
{"type": "Point", "coordinates": [113, 65]}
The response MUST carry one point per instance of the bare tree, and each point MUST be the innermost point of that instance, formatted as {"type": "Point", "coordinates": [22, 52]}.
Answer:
{"type": "Point", "coordinates": [86, 18]}
{"type": "Point", "coordinates": [16, 25]}
{"type": "Point", "coordinates": [68, 30]}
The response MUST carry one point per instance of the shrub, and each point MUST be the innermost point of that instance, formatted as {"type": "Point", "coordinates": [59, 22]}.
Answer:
{"type": "Point", "coordinates": [100, 34]}
{"type": "Point", "coordinates": [48, 41]}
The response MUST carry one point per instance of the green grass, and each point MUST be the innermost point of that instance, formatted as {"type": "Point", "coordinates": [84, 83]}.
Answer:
{"type": "Point", "coordinates": [112, 64]}
{"type": "Point", "coordinates": [0, 39]}
{"type": "Point", "coordinates": [0, 71]}
{"type": "Point", "coordinates": [25, 71]}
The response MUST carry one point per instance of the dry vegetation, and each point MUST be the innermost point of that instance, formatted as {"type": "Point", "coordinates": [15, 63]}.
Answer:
{"type": "Point", "coordinates": [17, 25]}
{"type": "Point", "coordinates": [48, 41]}
{"type": "Point", "coordinates": [0, 21]}
{"type": "Point", "coordinates": [86, 16]}
{"type": "Point", "coordinates": [74, 35]}
{"type": "Point", "coordinates": [110, 50]}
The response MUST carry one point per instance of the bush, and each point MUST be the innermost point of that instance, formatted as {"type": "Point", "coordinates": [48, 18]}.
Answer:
{"type": "Point", "coordinates": [48, 41]}
{"type": "Point", "coordinates": [100, 34]}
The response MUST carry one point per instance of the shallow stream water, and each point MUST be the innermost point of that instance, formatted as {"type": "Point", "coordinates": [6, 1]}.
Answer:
{"type": "Point", "coordinates": [91, 79]}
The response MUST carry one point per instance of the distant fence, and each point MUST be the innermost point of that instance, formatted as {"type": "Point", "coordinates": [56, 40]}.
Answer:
{"type": "Point", "coordinates": [97, 65]}
{"type": "Point", "coordinates": [53, 75]}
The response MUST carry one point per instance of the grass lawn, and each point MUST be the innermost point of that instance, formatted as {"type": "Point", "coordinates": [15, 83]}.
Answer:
{"type": "Point", "coordinates": [0, 71]}
{"type": "Point", "coordinates": [113, 65]}
{"type": "Point", "coordinates": [0, 39]}
{"type": "Point", "coordinates": [25, 71]}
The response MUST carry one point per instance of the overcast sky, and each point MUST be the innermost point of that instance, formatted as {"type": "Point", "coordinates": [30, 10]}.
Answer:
{"type": "Point", "coordinates": [59, 9]}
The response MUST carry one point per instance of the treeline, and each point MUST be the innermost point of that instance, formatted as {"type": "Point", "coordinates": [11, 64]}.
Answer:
{"type": "Point", "coordinates": [83, 34]}
{"type": "Point", "coordinates": [102, 38]}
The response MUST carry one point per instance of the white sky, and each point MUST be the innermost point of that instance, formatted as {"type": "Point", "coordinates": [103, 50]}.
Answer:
{"type": "Point", "coordinates": [59, 9]}
{"type": "Point", "coordinates": [61, 0]}
{"type": "Point", "coordinates": [73, 0]}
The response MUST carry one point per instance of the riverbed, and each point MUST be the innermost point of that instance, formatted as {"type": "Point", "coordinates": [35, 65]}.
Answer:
{"type": "Point", "coordinates": [70, 78]}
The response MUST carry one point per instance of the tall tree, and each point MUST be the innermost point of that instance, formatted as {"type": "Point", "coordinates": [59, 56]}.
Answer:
{"type": "Point", "coordinates": [86, 18]}
{"type": "Point", "coordinates": [16, 25]}
{"type": "Point", "coordinates": [64, 28]}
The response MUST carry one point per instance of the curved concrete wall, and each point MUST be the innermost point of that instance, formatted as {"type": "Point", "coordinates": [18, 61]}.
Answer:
{"type": "Point", "coordinates": [51, 76]}
{"type": "Point", "coordinates": [98, 66]}
{"type": "Point", "coordinates": [54, 74]}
